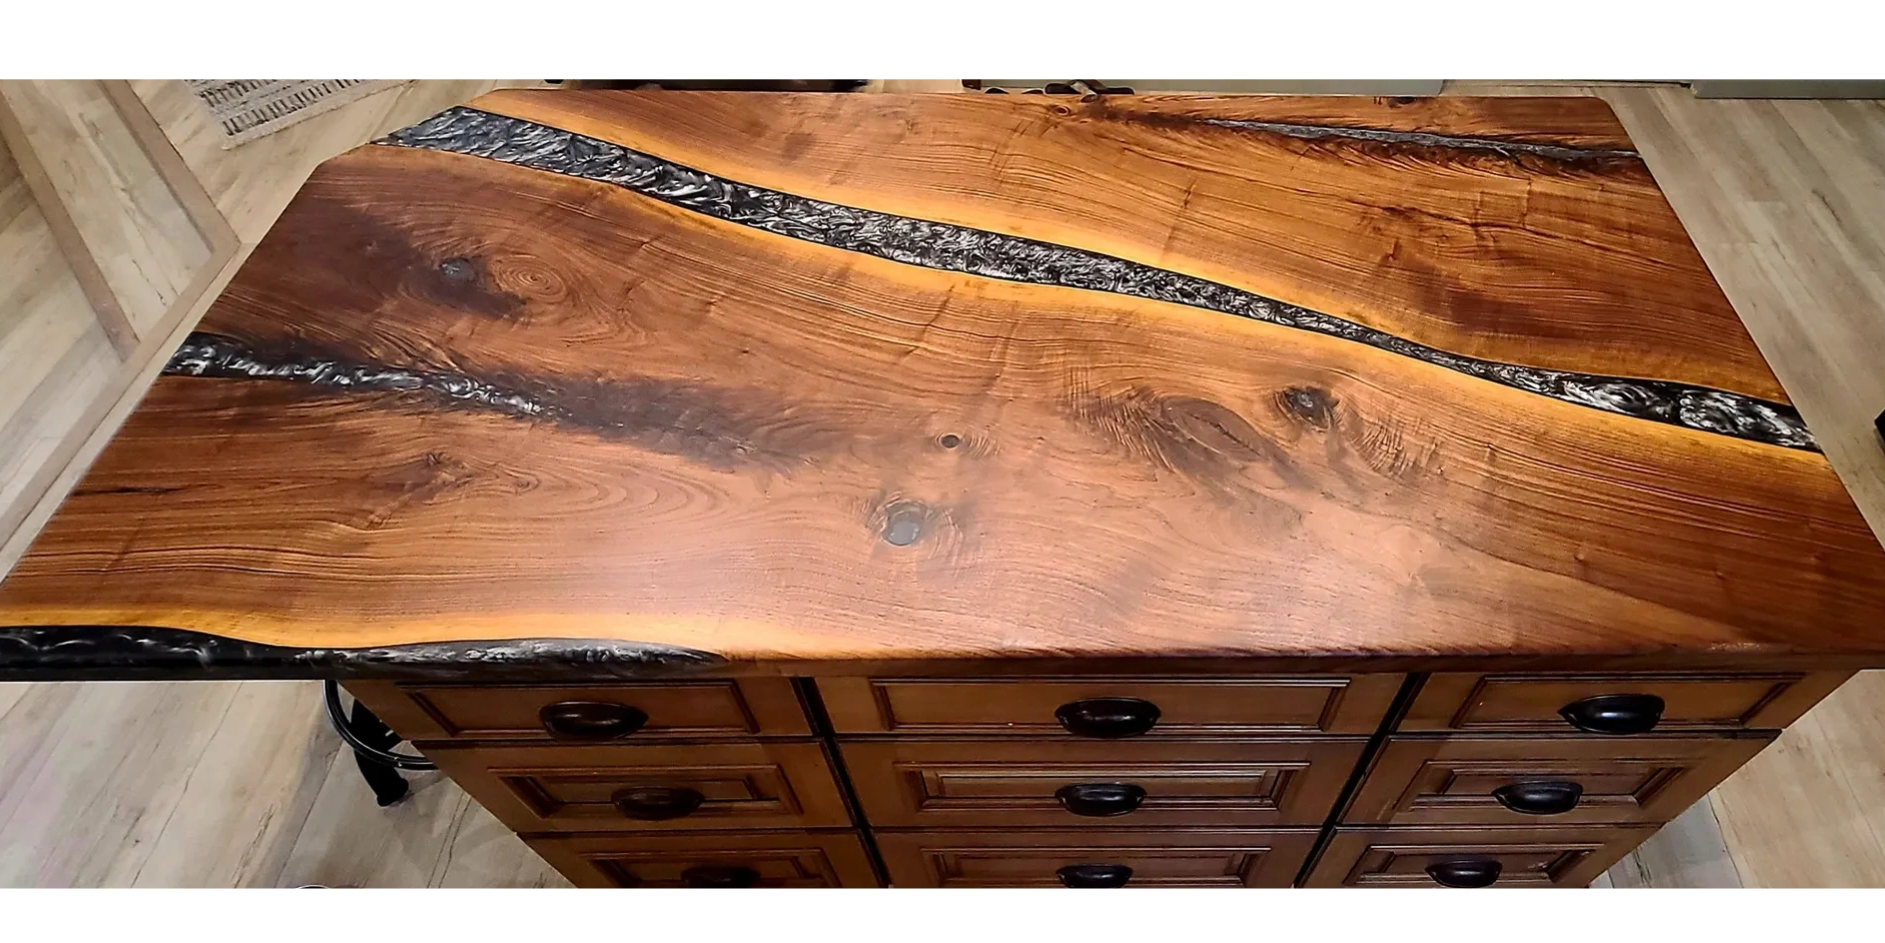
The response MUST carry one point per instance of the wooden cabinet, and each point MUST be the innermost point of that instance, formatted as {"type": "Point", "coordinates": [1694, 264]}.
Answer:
{"type": "Point", "coordinates": [724, 859]}
{"type": "Point", "coordinates": [1545, 780]}
{"type": "Point", "coordinates": [1067, 783]}
{"type": "Point", "coordinates": [975, 780]}
{"type": "Point", "coordinates": [710, 708]}
{"type": "Point", "coordinates": [1178, 706]}
{"type": "Point", "coordinates": [1095, 858]}
{"type": "Point", "coordinates": [662, 787]}
{"type": "Point", "coordinates": [1541, 702]}
{"type": "Point", "coordinates": [1478, 857]}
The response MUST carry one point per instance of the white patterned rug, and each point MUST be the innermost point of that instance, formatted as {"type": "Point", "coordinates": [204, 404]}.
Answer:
{"type": "Point", "coordinates": [250, 108]}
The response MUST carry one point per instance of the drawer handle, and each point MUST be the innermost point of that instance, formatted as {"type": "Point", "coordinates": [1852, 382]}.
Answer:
{"type": "Point", "coordinates": [1472, 872]}
{"type": "Point", "coordinates": [1546, 798]}
{"type": "Point", "coordinates": [1100, 799]}
{"type": "Point", "coordinates": [590, 720]}
{"type": "Point", "coordinates": [654, 803]}
{"type": "Point", "coordinates": [719, 875]}
{"type": "Point", "coordinates": [1614, 713]}
{"type": "Point", "coordinates": [1107, 717]}
{"type": "Point", "coordinates": [1094, 875]}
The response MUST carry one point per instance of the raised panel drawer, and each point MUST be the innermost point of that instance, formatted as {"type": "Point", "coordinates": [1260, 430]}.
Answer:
{"type": "Point", "coordinates": [732, 708]}
{"type": "Point", "coordinates": [638, 788]}
{"type": "Point", "coordinates": [1491, 703]}
{"type": "Point", "coordinates": [1487, 857]}
{"type": "Point", "coordinates": [721, 859]}
{"type": "Point", "coordinates": [1143, 857]}
{"type": "Point", "coordinates": [1185, 706]}
{"type": "Point", "coordinates": [1459, 780]}
{"type": "Point", "coordinates": [1013, 782]}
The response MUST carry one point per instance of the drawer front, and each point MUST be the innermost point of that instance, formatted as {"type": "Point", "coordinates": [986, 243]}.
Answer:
{"type": "Point", "coordinates": [1544, 780]}
{"type": "Point", "coordinates": [1503, 857]}
{"type": "Point", "coordinates": [734, 708]}
{"type": "Point", "coordinates": [1184, 706]}
{"type": "Point", "coordinates": [1534, 702]}
{"type": "Point", "coordinates": [1066, 783]}
{"type": "Point", "coordinates": [1171, 858]}
{"type": "Point", "coordinates": [725, 859]}
{"type": "Point", "coordinates": [662, 787]}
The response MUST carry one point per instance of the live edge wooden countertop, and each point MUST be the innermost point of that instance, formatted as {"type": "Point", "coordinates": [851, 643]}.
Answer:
{"type": "Point", "coordinates": [815, 378]}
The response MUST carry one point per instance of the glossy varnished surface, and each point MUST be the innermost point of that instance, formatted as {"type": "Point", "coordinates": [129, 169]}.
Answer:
{"type": "Point", "coordinates": [1574, 263]}
{"type": "Point", "coordinates": [454, 398]}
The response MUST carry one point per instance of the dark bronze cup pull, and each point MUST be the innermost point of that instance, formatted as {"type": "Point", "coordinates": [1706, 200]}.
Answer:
{"type": "Point", "coordinates": [1094, 875]}
{"type": "Point", "coordinates": [1100, 799]}
{"type": "Point", "coordinates": [1614, 713]}
{"type": "Point", "coordinates": [1472, 872]}
{"type": "Point", "coordinates": [719, 875]}
{"type": "Point", "coordinates": [590, 720]}
{"type": "Point", "coordinates": [654, 803]}
{"type": "Point", "coordinates": [1107, 717]}
{"type": "Point", "coordinates": [1546, 798]}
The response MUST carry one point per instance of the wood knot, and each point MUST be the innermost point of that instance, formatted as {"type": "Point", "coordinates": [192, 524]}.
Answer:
{"type": "Point", "coordinates": [1309, 405]}
{"type": "Point", "coordinates": [904, 522]}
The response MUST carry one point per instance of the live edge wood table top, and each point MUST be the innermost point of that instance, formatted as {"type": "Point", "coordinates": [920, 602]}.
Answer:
{"type": "Point", "coordinates": [593, 378]}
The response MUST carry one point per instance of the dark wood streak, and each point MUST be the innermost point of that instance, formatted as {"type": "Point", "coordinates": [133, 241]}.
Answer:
{"type": "Point", "coordinates": [391, 265]}
{"type": "Point", "coordinates": [995, 255]}
{"type": "Point", "coordinates": [704, 424]}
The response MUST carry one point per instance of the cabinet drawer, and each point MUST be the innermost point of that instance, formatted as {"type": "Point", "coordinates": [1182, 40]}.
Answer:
{"type": "Point", "coordinates": [1514, 702]}
{"type": "Point", "coordinates": [1141, 857]}
{"type": "Point", "coordinates": [722, 859]}
{"type": "Point", "coordinates": [1496, 857]}
{"type": "Point", "coordinates": [1545, 780]}
{"type": "Point", "coordinates": [662, 787]}
{"type": "Point", "coordinates": [1130, 783]}
{"type": "Point", "coordinates": [1184, 706]}
{"type": "Point", "coordinates": [711, 708]}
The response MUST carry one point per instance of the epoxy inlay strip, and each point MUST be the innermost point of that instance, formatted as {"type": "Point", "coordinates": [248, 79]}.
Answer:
{"type": "Point", "coordinates": [1314, 132]}
{"type": "Point", "coordinates": [212, 355]}
{"type": "Point", "coordinates": [125, 653]}
{"type": "Point", "coordinates": [978, 252]}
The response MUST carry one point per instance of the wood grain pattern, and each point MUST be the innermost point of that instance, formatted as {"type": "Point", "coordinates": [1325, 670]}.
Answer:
{"type": "Point", "coordinates": [1692, 701]}
{"type": "Point", "coordinates": [1451, 781]}
{"type": "Point", "coordinates": [687, 710]}
{"type": "Point", "coordinates": [570, 788]}
{"type": "Point", "coordinates": [778, 859]}
{"type": "Point", "coordinates": [100, 297]}
{"type": "Point", "coordinates": [127, 223]}
{"type": "Point", "coordinates": [1158, 857]}
{"type": "Point", "coordinates": [1201, 783]}
{"type": "Point", "coordinates": [771, 449]}
{"type": "Point", "coordinates": [1565, 264]}
{"type": "Point", "coordinates": [1188, 706]}
{"type": "Point", "coordinates": [1528, 857]}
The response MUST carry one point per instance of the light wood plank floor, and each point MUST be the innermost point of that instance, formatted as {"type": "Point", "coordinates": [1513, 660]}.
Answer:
{"type": "Point", "coordinates": [241, 784]}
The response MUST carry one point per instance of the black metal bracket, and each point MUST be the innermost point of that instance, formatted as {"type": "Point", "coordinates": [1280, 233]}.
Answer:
{"type": "Point", "coordinates": [372, 742]}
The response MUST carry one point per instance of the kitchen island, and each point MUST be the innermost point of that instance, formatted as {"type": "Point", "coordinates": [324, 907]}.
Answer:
{"type": "Point", "coordinates": [965, 490]}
